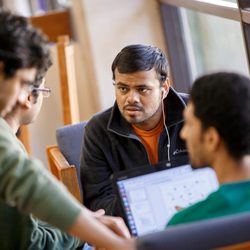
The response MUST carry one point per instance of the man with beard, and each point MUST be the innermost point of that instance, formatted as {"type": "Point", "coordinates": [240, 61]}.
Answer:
{"type": "Point", "coordinates": [142, 127]}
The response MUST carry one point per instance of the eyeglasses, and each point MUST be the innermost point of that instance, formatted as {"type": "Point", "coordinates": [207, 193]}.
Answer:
{"type": "Point", "coordinates": [45, 91]}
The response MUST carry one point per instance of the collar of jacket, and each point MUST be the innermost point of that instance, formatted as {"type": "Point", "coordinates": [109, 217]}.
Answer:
{"type": "Point", "coordinates": [174, 105]}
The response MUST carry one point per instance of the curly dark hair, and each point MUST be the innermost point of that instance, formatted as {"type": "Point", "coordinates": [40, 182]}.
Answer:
{"type": "Point", "coordinates": [22, 45]}
{"type": "Point", "coordinates": [222, 100]}
{"type": "Point", "coordinates": [140, 57]}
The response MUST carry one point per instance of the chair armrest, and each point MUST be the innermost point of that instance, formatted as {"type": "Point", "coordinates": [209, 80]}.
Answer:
{"type": "Point", "coordinates": [225, 233]}
{"type": "Point", "coordinates": [240, 246]}
{"type": "Point", "coordinates": [63, 171]}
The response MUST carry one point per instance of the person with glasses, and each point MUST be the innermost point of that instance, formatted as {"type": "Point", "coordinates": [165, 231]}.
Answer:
{"type": "Point", "coordinates": [28, 112]}
{"type": "Point", "coordinates": [141, 128]}
{"type": "Point", "coordinates": [45, 91]}
{"type": "Point", "coordinates": [27, 190]}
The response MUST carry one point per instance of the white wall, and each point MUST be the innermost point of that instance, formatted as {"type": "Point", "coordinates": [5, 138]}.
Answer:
{"type": "Point", "coordinates": [102, 29]}
{"type": "Point", "coordinates": [20, 6]}
{"type": "Point", "coordinates": [114, 24]}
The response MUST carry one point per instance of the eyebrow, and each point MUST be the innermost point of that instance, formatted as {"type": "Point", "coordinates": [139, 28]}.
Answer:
{"type": "Point", "coordinates": [121, 83]}
{"type": "Point", "coordinates": [27, 82]}
{"type": "Point", "coordinates": [137, 86]}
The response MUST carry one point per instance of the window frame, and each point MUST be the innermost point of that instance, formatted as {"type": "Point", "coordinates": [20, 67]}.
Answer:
{"type": "Point", "coordinates": [181, 74]}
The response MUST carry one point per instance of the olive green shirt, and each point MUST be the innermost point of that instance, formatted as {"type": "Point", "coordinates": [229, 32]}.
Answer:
{"type": "Point", "coordinates": [26, 188]}
{"type": "Point", "coordinates": [229, 199]}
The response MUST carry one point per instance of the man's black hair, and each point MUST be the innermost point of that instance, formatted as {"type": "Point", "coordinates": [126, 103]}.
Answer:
{"type": "Point", "coordinates": [222, 100]}
{"type": "Point", "coordinates": [21, 45]}
{"type": "Point", "coordinates": [138, 57]}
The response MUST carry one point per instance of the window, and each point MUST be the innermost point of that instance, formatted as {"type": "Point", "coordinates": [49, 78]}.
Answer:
{"type": "Point", "coordinates": [204, 36]}
{"type": "Point", "coordinates": [216, 43]}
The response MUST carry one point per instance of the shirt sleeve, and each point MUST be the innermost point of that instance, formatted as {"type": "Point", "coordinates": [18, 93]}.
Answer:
{"type": "Point", "coordinates": [27, 185]}
{"type": "Point", "coordinates": [96, 176]}
{"type": "Point", "coordinates": [48, 237]}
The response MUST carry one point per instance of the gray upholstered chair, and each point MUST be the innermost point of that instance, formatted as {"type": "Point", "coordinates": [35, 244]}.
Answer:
{"type": "Point", "coordinates": [64, 158]}
{"type": "Point", "coordinates": [225, 233]}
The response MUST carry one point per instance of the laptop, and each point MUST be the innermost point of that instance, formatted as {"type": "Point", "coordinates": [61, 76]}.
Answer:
{"type": "Point", "coordinates": [148, 196]}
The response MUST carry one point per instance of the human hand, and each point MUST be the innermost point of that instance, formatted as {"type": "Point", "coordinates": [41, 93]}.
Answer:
{"type": "Point", "coordinates": [97, 214]}
{"type": "Point", "coordinates": [179, 208]}
{"type": "Point", "coordinates": [116, 224]}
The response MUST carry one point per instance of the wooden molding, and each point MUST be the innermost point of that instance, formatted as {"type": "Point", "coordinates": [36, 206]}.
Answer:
{"type": "Point", "coordinates": [53, 24]}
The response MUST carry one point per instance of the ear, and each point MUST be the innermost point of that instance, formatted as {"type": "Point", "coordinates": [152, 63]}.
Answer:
{"type": "Point", "coordinates": [27, 103]}
{"type": "Point", "coordinates": [165, 88]}
{"type": "Point", "coordinates": [212, 139]}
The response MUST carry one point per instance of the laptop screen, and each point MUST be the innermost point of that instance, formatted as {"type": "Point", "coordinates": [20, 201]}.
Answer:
{"type": "Point", "coordinates": [149, 200]}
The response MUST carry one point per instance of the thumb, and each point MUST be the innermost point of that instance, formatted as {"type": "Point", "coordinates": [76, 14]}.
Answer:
{"type": "Point", "coordinates": [99, 213]}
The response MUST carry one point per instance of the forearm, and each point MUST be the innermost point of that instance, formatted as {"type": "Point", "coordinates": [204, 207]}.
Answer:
{"type": "Point", "coordinates": [25, 184]}
{"type": "Point", "coordinates": [88, 228]}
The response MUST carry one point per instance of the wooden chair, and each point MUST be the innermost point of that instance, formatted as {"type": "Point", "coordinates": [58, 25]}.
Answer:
{"type": "Point", "coordinates": [58, 164]}
{"type": "Point", "coordinates": [64, 158]}
{"type": "Point", "coordinates": [63, 171]}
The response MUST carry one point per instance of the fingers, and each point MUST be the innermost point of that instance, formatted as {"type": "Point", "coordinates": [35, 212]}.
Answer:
{"type": "Point", "coordinates": [99, 213]}
{"type": "Point", "coordinates": [178, 208]}
{"type": "Point", "coordinates": [116, 224]}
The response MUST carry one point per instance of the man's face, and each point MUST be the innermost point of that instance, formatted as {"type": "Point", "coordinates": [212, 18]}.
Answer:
{"type": "Point", "coordinates": [193, 134]}
{"type": "Point", "coordinates": [14, 90]}
{"type": "Point", "coordinates": [35, 105]}
{"type": "Point", "coordinates": [138, 97]}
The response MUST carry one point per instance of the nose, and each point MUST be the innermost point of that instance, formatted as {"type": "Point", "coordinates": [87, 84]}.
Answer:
{"type": "Point", "coordinates": [133, 96]}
